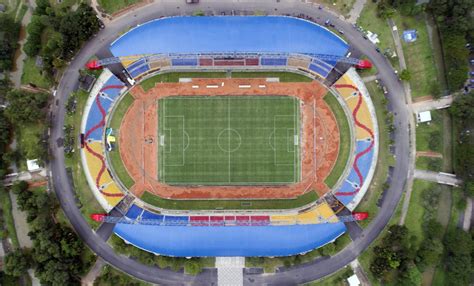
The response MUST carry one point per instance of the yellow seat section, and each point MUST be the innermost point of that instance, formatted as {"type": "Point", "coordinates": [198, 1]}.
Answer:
{"type": "Point", "coordinates": [111, 194]}
{"type": "Point", "coordinates": [363, 116]}
{"type": "Point", "coordinates": [309, 217]}
{"type": "Point", "coordinates": [94, 164]}
{"type": "Point", "coordinates": [326, 213]}
{"type": "Point", "coordinates": [283, 219]}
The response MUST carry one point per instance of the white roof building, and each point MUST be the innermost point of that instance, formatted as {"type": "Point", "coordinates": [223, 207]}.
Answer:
{"type": "Point", "coordinates": [353, 280]}
{"type": "Point", "coordinates": [424, 116]}
{"type": "Point", "coordinates": [32, 165]}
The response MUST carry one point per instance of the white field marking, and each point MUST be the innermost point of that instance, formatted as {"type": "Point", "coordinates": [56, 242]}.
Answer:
{"type": "Point", "coordinates": [245, 86]}
{"type": "Point", "coordinates": [274, 141]}
{"type": "Point", "coordinates": [219, 144]}
{"type": "Point", "coordinates": [290, 140]}
{"type": "Point", "coordinates": [270, 140]}
{"type": "Point", "coordinates": [212, 86]}
{"type": "Point", "coordinates": [162, 140]}
{"type": "Point", "coordinates": [195, 86]}
{"type": "Point", "coordinates": [265, 162]}
{"type": "Point", "coordinates": [171, 145]}
{"type": "Point", "coordinates": [187, 136]}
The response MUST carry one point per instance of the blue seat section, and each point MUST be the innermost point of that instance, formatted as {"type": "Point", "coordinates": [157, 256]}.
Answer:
{"type": "Point", "coordinates": [136, 64]}
{"type": "Point", "coordinates": [184, 62]}
{"type": "Point", "coordinates": [177, 220]}
{"type": "Point", "coordinates": [138, 71]}
{"type": "Point", "coordinates": [229, 34]}
{"type": "Point", "coordinates": [150, 215]}
{"type": "Point", "coordinates": [346, 188]}
{"type": "Point", "coordinates": [134, 211]}
{"type": "Point", "coordinates": [93, 118]}
{"type": "Point", "coordinates": [273, 61]}
{"type": "Point", "coordinates": [319, 70]}
{"type": "Point", "coordinates": [211, 241]}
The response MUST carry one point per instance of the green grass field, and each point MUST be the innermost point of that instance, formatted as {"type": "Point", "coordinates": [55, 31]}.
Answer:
{"type": "Point", "coordinates": [112, 6]}
{"type": "Point", "coordinates": [229, 140]}
{"type": "Point", "coordinates": [344, 139]}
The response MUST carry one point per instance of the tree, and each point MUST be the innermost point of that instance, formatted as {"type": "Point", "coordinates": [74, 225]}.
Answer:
{"type": "Point", "coordinates": [9, 29]}
{"type": "Point", "coordinates": [26, 107]}
{"type": "Point", "coordinates": [17, 263]}
{"type": "Point", "coordinates": [192, 267]}
{"type": "Point", "coordinates": [411, 277]}
{"type": "Point", "coordinates": [429, 253]}
{"type": "Point", "coordinates": [405, 75]}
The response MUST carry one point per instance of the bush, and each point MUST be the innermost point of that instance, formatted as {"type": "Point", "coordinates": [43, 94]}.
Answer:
{"type": "Point", "coordinates": [435, 140]}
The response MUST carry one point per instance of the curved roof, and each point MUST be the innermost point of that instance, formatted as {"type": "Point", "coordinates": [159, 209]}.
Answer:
{"type": "Point", "coordinates": [213, 34]}
{"type": "Point", "coordinates": [229, 240]}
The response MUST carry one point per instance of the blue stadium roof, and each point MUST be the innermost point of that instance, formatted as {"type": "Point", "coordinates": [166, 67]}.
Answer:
{"type": "Point", "coordinates": [229, 34]}
{"type": "Point", "coordinates": [201, 241]}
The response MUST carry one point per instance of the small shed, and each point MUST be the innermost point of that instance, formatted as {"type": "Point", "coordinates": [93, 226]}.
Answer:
{"type": "Point", "coordinates": [409, 36]}
{"type": "Point", "coordinates": [353, 280]}
{"type": "Point", "coordinates": [2, 8]}
{"type": "Point", "coordinates": [424, 116]}
{"type": "Point", "coordinates": [32, 165]}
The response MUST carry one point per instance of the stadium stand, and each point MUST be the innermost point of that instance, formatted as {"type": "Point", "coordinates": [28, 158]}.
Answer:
{"type": "Point", "coordinates": [357, 99]}
{"type": "Point", "coordinates": [106, 90]}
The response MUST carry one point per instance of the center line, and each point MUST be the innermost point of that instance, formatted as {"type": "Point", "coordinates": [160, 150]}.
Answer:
{"type": "Point", "coordinates": [228, 131]}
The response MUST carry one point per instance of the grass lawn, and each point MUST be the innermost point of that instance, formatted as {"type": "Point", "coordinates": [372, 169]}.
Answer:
{"type": "Point", "coordinates": [175, 76]}
{"type": "Point", "coordinates": [419, 56]}
{"type": "Point", "coordinates": [415, 212]}
{"type": "Point", "coordinates": [228, 204]}
{"type": "Point", "coordinates": [32, 74]}
{"type": "Point", "coordinates": [6, 206]}
{"type": "Point", "coordinates": [384, 160]}
{"type": "Point", "coordinates": [28, 138]}
{"type": "Point", "coordinates": [369, 21]}
{"type": "Point", "coordinates": [341, 6]}
{"type": "Point", "coordinates": [424, 132]}
{"type": "Point", "coordinates": [284, 76]}
{"type": "Point", "coordinates": [337, 279]}
{"type": "Point", "coordinates": [112, 6]}
{"type": "Point", "coordinates": [239, 140]}
{"type": "Point", "coordinates": [114, 156]}
{"type": "Point", "coordinates": [344, 139]}
{"type": "Point", "coordinates": [87, 201]}
{"type": "Point", "coordinates": [428, 163]}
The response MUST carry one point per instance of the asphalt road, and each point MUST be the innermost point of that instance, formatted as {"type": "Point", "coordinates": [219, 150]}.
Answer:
{"type": "Point", "coordinates": [300, 274]}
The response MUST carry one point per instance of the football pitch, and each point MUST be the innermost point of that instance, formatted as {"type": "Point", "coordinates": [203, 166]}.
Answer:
{"type": "Point", "coordinates": [229, 140]}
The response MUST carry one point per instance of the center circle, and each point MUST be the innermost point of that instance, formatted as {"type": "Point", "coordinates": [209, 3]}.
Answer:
{"type": "Point", "coordinates": [229, 140]}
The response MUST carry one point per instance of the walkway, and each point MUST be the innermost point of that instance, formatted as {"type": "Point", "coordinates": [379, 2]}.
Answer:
{"type": "Point", "coordinates": [408, 101]}
{"type": "Point", "coordinates": [93, 273]}
{"type": "Point", "coordinates": [432, 104]}
{"type": "Point", "coordinates": [230, 271]}
{"type": "Point", "coordinates": [15, 76]}
{"type": "Point", "coordinates": [440, 178]}
{"type": "Point", "coordinates": [467, 215]}
{"type": "Point", "coordinates": [356, 10]}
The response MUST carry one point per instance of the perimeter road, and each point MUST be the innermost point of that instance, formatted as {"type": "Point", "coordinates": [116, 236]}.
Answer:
{"type": "Point", "coordinates": [303, 273]}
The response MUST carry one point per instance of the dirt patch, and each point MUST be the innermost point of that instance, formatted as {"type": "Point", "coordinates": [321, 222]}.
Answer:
{"type": "Point", "coordinates": [430, 154]}
{"type": "Point", "coordinates": [319, 142]}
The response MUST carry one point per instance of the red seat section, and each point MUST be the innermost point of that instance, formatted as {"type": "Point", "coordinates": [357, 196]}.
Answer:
{"type": "Point", "coordinates": [199, 220]}
{"type": "Point", "coordinates": [260, 220]}
{"type": "Point", "coordinates": [242, 220]}
{"type": "Point", "coordinates": [251, 62]}
{"type": "Point", "coordinates": [217, 220]}
{"type": "Point", "coordinates": [229, 62]}
{"type": "Point", "coordinates": [205, 62]}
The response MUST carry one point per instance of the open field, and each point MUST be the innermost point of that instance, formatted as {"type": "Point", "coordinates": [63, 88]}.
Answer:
{"type": "Point", "coordinates": [419, 57]}
{"type": "Point", "coordinates": [112, 6]}
{"type": "Point", "coordinates": [344, 140]}
{"type": "Point", "coordinates": [32, 74]}
{"type": "Point", "coordinates": [432, 131]}
{"type": "Point", "coordinates": [228, 140]}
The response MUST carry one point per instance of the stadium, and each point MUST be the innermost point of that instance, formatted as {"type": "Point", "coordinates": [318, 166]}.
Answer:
{"type": "Point", "coordinates": [223, 136]}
